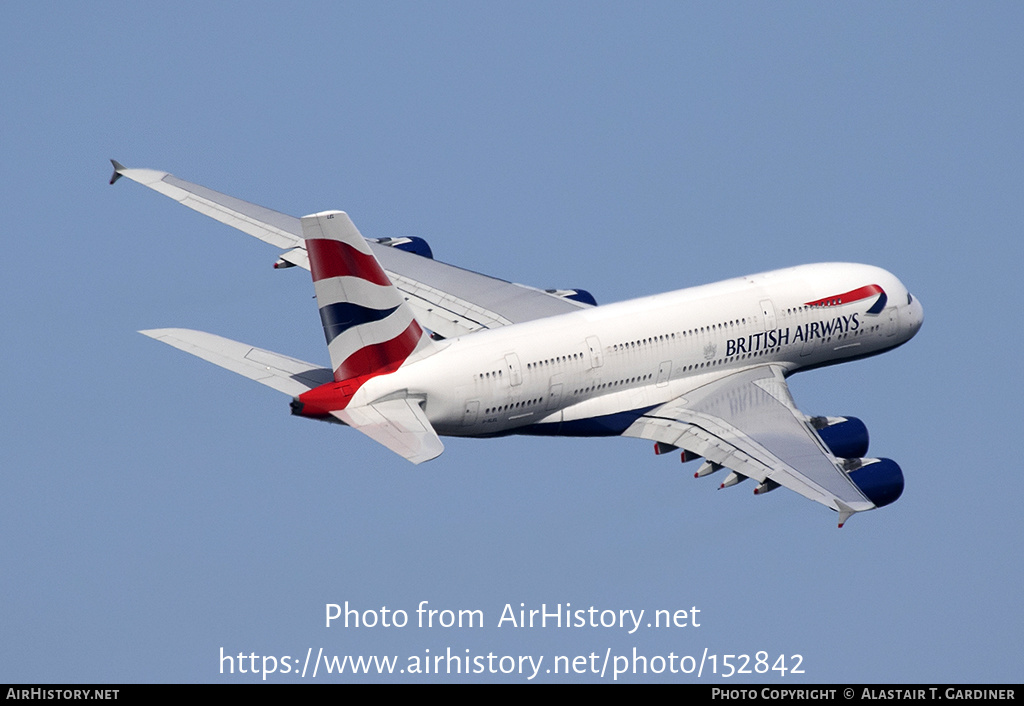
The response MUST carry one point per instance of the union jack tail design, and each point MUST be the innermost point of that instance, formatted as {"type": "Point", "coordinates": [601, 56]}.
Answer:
{"type": "Point", "coordinates": [370, 329]}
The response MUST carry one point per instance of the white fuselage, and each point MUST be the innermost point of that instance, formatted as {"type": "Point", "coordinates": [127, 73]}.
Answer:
{"type": "Point", "coordinates": [589, 372]}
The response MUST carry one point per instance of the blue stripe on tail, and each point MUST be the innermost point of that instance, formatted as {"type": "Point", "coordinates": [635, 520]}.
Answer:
{"type": "Point", "coordinates": [340, 317]}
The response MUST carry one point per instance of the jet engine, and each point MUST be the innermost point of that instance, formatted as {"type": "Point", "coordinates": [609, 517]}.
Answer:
{"type": "Point", "coordinates": [845, 437]}
{"type": "Point", "coordinates": [880, 479]}
{"type": "Point", "coordinates": [577, 295]}
{"type": "Point", "coordinates": [409, 243]}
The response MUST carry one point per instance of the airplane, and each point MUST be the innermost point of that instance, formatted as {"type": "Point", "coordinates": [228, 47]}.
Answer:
{"type": "Point", "coordinates": [421, 349]}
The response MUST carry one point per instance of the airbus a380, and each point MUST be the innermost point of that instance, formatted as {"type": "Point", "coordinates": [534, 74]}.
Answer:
{"type": "Point", "coordinates": [421, 349]}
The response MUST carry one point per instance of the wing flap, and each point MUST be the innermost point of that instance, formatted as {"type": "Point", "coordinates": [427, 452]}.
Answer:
{"type": "Point", "coordinates": [280, 372]}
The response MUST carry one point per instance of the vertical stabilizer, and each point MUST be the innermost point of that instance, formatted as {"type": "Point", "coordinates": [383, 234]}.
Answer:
{"type": "Point", "coordinates": [369, 327]}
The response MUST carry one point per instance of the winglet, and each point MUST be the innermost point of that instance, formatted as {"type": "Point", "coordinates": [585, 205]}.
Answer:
{"type": "Point", "coordinates": [118, 168]}
{"type": "Point", "coordinates": [845, 512]}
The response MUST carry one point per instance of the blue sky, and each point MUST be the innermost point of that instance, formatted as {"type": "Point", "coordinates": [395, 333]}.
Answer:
{"type": "Point", "coordinates": [155, 509]}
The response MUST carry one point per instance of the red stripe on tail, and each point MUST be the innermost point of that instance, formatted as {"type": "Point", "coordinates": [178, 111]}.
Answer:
{"type": "Point", "coordinates": [380, 358]}
{"type": "Point", "coordinates": [333, 258]}
{"type": "Point", "coordinates": [363, 365]}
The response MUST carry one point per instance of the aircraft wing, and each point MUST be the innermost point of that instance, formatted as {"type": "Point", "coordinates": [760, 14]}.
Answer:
{"type": "Point", "coordinates": [446, 299]}
{"type": "Point", "coordinates": [747, 422]}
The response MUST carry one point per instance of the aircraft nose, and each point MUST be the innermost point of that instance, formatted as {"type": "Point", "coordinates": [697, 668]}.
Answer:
{"type": "Point", "coordinates": [916, 314]}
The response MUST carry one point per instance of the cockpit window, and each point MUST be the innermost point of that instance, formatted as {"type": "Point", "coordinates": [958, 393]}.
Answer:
{"type": "Point", "coordinates": [910, 299]}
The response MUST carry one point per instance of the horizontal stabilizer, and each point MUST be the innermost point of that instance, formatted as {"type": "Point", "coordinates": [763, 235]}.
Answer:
{"type": "Point", "coordinates": [284, 374]}
{"type": "Point", "coordinates": [400, 424]}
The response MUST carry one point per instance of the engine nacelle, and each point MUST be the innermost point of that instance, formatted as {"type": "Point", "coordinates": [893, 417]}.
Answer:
{"type": "Point", "coordinates": [409, 243]}
{"type": "Point", "coordinates": [880, 479]}
{"type": "Point", "coordinates": [845, 437]}
{"type": "Point", "coordinates": [577, 295]}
